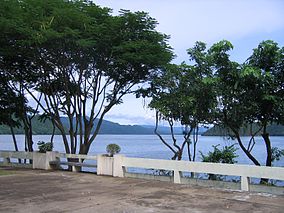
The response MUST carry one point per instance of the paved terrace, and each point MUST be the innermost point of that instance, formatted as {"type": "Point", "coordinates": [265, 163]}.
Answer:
{"type": "Point", "coordinates": [60, 191]}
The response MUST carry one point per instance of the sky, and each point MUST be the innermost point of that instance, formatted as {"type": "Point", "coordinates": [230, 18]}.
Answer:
{"type": "Point", "coordinates": [245, 23]}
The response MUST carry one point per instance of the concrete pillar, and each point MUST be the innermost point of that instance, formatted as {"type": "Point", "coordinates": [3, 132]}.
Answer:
{"type": "Point", "coordinates": [177, 176]}
{"type": "Point", "coordinates": [41, 160]}
{"type": "Point", "coordinates": [104, 165]}
{"type": "Point", "coordinates": [245, 183]}
{"type": "Point", "coordinates": [118, 169]}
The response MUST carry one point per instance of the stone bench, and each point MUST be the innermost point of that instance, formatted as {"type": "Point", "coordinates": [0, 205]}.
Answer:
{"type": "Point", "coordinates": [76, 166]}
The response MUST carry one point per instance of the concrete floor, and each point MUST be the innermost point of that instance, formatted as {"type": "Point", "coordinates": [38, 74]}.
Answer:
{"type": "Point", "coordinates": [59, 191]}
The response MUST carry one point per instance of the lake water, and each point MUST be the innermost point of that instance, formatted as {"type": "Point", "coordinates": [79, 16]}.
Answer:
{"type": "Point", "coordinates": [149, 146]}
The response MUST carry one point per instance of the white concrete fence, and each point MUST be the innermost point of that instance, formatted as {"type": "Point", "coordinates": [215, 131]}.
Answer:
{"type": "Point", "coordinates": [244, 171]}
{"type": "Point", "coordinates": [8, 155]}
{"type": "Point", "coordinates": [117, 166]}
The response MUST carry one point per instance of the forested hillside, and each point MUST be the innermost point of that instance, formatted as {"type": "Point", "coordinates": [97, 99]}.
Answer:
{"type": "Point", "coordinates": [45, 128]}
{"type": "Point", "coordinates": [273, 130]}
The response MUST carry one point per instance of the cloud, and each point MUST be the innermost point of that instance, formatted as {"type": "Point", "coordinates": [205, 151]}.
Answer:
{"type": "Point", "coordinates": [188, 21]}
{"type": "Point", "coordinates": [132, 111]}
{"type": "Point", "coordinates": [127, 119]}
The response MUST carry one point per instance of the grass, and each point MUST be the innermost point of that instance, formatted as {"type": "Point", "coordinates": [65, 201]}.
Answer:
{"type": "Point", "coordinates": [5, 172]}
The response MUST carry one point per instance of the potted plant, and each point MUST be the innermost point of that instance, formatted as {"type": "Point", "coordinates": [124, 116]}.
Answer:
{"type": "Point", "coordinates": [44, 147]}
{"type": "Point", "coordinates": [112, 149]}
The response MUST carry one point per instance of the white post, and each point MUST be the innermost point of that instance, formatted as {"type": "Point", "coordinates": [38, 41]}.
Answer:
{"type": "Point", "coordinates": [245, 183]}
{"type": "Point", "coordinates": [99, 164]}
{"type": "Point", "coordinates": [177, 176]}
{"type": "Point", "coordinates": [104, 165]}
{"type": "Point", "coordinates": [118, 169]}
{"type": "Point", "coordinates": [41, 160]}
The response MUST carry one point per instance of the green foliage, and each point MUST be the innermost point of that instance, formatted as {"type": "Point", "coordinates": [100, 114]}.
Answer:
{"type": "Point", "coordinates": [273, 130]}
{"type": "Point", "coordinates": [276, 154]}
{"type": "Point", "coordinates": [112, 149]}
{"type": "Point", "coordinates": [45, 147]}
{"type": "Point", "coordinates": [178, 93]}
{"type": "Point", "coordinates": [250, 93]}
{"type": "Point", "coordinates": [225, 155]}
{"type": "Point", "coordinates": [5, 172]}
{"type": "Point", "coordinates": [73, 53]}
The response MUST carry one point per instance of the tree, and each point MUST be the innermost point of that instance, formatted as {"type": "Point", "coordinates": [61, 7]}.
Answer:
{"type": "Point", "coordinates": [84, 61]}
{"type": "Point", "coordinates": [178, 97]}
{"type": "Point", "coordinates": [14, 66]}
{"type": "Point", "coordinates": [251, 93]}
{"type": "Point", "coordinates": [265, 67]}
{"type": "Point", "coordinates": [8, 107]}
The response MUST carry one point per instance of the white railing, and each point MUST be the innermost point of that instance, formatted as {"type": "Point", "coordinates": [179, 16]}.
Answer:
{"type": "Point", "coordinates": [24, 157]}
{"type": "Point", "coordinates": [244, 171]}
{"type": "Point", "coordinates": [49, 160]}
{"type": "Point", "coordinates": [117, 165]}
{"type": "Point", "coordinates": [14, 154]}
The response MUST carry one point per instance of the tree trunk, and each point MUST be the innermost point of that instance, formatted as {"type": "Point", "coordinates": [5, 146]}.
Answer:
{"type": "Point", "coordinates": [179, 155]}
{"type": "Point", "coordinates": [268, 149]}
{"type": "Point", "coordinates": [84, 148]}
{"type": "Point", "coordinates": [15, 142]}
{"type": "Point", "coordinates": [248, 154]}
{"type": "Point", "coordinates": [28, 140]}
{"type": "Point", "coordinates": [188, 151]}
{"type": "Point", "coordinates": [53, 133]}
{"type": "Point", "coordinates": [28, 132]}
{"type": "Point", "coordinates": [265, 136]}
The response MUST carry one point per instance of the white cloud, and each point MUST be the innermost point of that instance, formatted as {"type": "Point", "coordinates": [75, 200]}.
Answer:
{"type": "Point", "coordinates": [188, 21]}
{"type": "Point", "coordinates": [128, 119]}
{"type": "Point", "coordinates": [133, 111]}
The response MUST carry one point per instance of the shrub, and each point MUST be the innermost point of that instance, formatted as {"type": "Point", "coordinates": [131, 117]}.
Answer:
{"type": "Point", "coordinates": [225, 155]}
{"type": "Point", "coordinates": [112, 149]}
{"type": "Point", "coordinates": [276, 154]}
{"type": "Point", "coordinates": [45, 147]}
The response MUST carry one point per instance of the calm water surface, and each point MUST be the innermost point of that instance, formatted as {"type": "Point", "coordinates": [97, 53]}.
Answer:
{"type": "Point", "coordinates": [149, 146]}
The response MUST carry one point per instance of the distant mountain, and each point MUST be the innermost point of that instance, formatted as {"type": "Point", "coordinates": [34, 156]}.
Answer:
{"type": "Point", "coordinates": [39, 128]}
{"type": "Point", "coordinates": [45, 128]}
{"type": "Point", "coordinates": [108, 127]}
{"type": "Point", "coordinates": [273, 130]}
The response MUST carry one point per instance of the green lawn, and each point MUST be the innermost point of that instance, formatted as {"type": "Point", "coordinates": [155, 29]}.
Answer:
{"type": "Point", "coordinates": [5, 172]}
